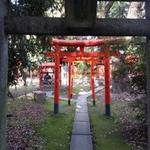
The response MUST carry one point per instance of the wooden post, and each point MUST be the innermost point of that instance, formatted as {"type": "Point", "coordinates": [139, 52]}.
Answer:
{"type": "Point", "coordinates": [80, 12]}
{"type": "Point", "coordinates": [57, 82]}
{"type": "Point", "coordinates": [60, 75]}
{"type": "Point", "coordinates": [82, 49]}
{"type": "Point", "coordinates": [107, 84]}
{"type": "Point", "coordinates": [147, 10]}
{"type": "Point", "coordinates": [72, 76]}
{"type": "Point", "coordinates": [56, 26]}
{"type": "Point", "coordinates": [69, 82]}
{"type": "Point", "coordinates": [148, 87]}
{"type": "Point", "coordinates": [92, 82]}
{"type": "Point", "coordinates": [3, 74]}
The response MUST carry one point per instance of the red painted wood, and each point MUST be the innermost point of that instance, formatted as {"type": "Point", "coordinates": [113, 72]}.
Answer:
{"type": "Point", "coordinates": [43, 68]}
{"type": "Point", "coordinates": [72, 76]}
{"type": "Point", "coordinates": [81, 55]}
{"type": "Point", "coordinates": [92, 82]}
{"type": "Point", "coordinates": [76, 54]}
{"type": "Point", "coordinates": [107, 79]}
{"type": "Point", "coordinates": [57, 78]}
{"type": "Point", "coordinates": [78, 43]}
{"type": "Point", "coordinates": [51, 64]}
{"type": "Point", "coordinates": [69, 80]}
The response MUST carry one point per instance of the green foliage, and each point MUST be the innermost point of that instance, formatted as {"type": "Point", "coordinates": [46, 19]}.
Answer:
{"type": "Point", "coordinates": [119, 10]}
{"type": "Point", "coordinates": [26, 51]}
{"type": "Point", "coordinates": [135, 73]}
{"type": "Point", "coordinates": [31, 7]}
{"type": "Point", "coordinates": [17, 58]}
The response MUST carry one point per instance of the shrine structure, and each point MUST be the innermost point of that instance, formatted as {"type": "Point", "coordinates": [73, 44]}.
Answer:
{"type": "Point", "coordinates": [92, 58]}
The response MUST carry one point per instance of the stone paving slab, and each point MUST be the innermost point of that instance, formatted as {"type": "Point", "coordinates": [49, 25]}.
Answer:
{"type": "Point", "coordinates": [81, 134]}
{"type": "Point", "coordinates": [81, 142]}
{"type": "Point", "coordinates": [82, 103]}
{"type": "Point", "coordinates": [81, 116]}
{"type": "Point", "coordinates": [80, 108]}
{"type": "Point", "coordinates": [81, 128]}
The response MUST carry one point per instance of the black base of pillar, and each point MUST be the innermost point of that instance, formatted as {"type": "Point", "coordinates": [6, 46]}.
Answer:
{"type": "Point", "coordinates": [94, 103]}
{"type": "Point", "coordinates": [69, 102]}
{"type": "Point", "coordinates": [56, 108]}
{"type": "Point", "coordinates": [107, 110]}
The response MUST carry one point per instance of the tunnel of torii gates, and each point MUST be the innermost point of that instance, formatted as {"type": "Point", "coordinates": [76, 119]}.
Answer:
{"type": "Point", "coordinates": [93, 58]}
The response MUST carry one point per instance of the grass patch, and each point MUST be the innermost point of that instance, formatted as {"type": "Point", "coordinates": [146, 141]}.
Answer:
{"type": "Point", "coordinates": [107, 133]}
{"type": "Point", "coordinates": [34, 126]}
{"type": "Point", "coordinates": [56, 129]}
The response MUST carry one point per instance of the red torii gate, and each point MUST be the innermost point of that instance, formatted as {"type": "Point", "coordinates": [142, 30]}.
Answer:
{"type": "Point", "coordinates": [70, 61]}
{"type": "Point", "coordinates": [43, 69]}
{"type": "Point", "coordinates": [58, 54]}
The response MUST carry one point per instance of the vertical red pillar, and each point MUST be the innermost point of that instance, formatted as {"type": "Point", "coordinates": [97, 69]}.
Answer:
{"type": "Point", "coordinates": [82, 49]}
{"type": "Point", "coordinates": [72, 76]}
{"type": "Point", "coordinates": [107, 84]}
{"type": "Point", "coordinates": [60, 74]}
{"type": "Point", "coordinates": [69, 82]}
{"type": "Point", "coordinates": [92, 82]}
{"type": "Point", "coordinates": [57, 81]}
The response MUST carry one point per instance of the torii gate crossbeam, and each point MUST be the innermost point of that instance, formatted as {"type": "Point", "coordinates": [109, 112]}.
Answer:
{"type": "Point", "coordinates": [92, 56]}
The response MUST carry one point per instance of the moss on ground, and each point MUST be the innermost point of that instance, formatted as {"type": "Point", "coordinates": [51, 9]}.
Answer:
{"type": "Point", "coordinates": [107, 133]}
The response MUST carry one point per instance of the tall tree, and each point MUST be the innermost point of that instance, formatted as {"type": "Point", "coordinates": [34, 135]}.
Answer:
{"type": "Point", "coordinates": [21, 47]}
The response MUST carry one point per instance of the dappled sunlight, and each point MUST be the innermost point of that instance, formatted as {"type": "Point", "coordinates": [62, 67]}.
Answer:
{"type": "Point", "coordinates": [83, 92]}
{"type": "Point", "coordinates": [78, 107]}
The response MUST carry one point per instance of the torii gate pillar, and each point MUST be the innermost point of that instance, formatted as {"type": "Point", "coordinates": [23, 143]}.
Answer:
{"type": "Point", "coordinates": [3, 74]}
{"type": "Point", "coordinates": [147, 13]}
{"type": "Point", "coordinates": [92, 82]}
{"type": "Point", "coordinates": [107, 84]}
{"type": "Point", "coordinates": [70, 82]}
{"type": "Point", "coordinates": [72, 76]}
{"type": "Point", "coordinates": [57, 81]}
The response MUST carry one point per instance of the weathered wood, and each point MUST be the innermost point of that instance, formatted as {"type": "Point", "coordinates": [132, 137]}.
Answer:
{"type": "Point", "coordinates": [147, 12]}
{"type": "Point", "coordinates": [125, 0]}
{"type": "Point", "coordinates": [148, 86]}
{"type": "Point", "coordinates": [3, 74]}
{"type": "Point", "coordinates": [80, 13]}
{"type": "Point", "coordinates": [56, 26]}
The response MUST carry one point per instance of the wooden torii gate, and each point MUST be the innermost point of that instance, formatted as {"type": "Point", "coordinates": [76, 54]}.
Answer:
{"type": "Point", "coordinates": [71, 61]}
{"type": "Point", "coordinates": [81, 55]}
{"type": "Point", "coordinates": [43, 69]}
{"type": "Point", "coordinates": [79, 20]}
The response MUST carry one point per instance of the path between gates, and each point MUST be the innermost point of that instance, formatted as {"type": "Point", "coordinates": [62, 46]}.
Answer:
{"type": "Point", "coordinates": [81, 138]}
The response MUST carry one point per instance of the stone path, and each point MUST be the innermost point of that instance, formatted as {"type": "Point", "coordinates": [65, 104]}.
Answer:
{"type": "Point", "coordinates": [81, 134]}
